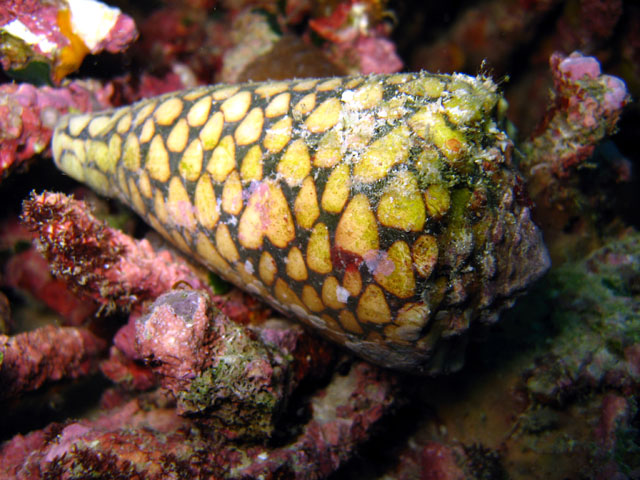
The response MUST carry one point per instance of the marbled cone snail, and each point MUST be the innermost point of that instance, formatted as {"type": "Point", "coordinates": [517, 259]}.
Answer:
{"type": "Point", "coordinates": [380, 210]}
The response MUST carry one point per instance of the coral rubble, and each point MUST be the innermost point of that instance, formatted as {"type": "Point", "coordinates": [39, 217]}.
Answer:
{"type": "Point", "coordinates": [225, 379]}
{"type": "Point", "coordinates": [28, 115]}
{"type": "Point", "coordinates": [585, 108]}
{"type": "Point", "coordinates": [146, 439]}
{"type": "Point", "coordinates": [28, 271]}
{"type": "Point", "coordinates": [28, 360]}
{"type": "Point", "coordinates": [45, 41]}
{"type": "Point", "coordinates": [104, 263]}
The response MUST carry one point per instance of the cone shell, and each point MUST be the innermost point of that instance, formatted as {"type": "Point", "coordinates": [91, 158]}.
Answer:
{"type": "Point", "coordinates": [382, 211]}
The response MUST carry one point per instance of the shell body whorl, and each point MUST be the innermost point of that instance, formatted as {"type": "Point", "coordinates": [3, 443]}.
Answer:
{"type": "Point", "coordinates": [383, 211]}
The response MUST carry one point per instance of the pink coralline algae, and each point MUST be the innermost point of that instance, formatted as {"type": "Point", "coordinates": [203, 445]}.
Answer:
{"type": "Point", "coordinates": [174, 337]}
{"type": "Point", "coordinates": [124, 366]}
{"type": "Point", "coordinates": [586, 108]}
{"type": "Point", "coordinates": [100, 261]}
{"type": "Point", "coordinates": [356, 36]}
{"type": "Point", "coordinates": [569, 71]}
{"type": "Point", "coordinates": [230, 380]}
{"type": "Point", "coordinates": [28, 115]}
{"type": "Point", "coordinates": [575, 67]}
{"type": "Point", "coordinates": [28, 360]}
{"type": "Point", "coordinates": [377, 55]}
{"type": "Point", "coordinates": [59, 35]}
{"type": "Point", "coordinates": [28, 271]}
{"type": "Point", "coordinates": [145, 439]}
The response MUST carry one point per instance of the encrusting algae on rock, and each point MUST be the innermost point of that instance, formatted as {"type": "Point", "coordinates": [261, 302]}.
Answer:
{"type": "Point", "coordinates": [383, 210]}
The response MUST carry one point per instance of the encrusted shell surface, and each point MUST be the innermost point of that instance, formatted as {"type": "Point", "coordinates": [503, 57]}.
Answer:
{"type": "Point", "coordinates": [383, 211]}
